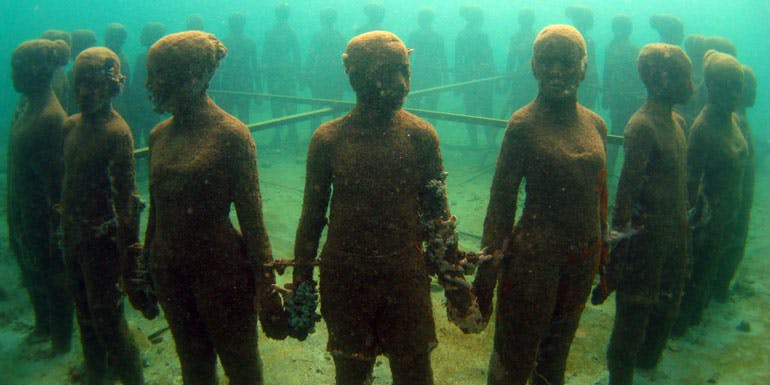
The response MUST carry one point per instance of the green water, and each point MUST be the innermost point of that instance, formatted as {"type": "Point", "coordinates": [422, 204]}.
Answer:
{"type": "Point", "coordinates": [713, 353]}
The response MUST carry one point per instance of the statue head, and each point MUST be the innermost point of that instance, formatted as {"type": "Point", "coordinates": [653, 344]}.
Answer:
{"type": "Point", "coordinates": [559, 61]}
{"type": "Point", "coordinates": [97, 79]}
{"type": "Point", "coordinates": [377, 64]}
{"type": "Point", "coordinates": [179, 68]}
{"type": "Point", "coordinates": [34, 62]}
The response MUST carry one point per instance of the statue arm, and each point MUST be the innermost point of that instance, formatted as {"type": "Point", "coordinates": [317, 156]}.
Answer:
{"type": "Point", "coordinates": [126, 200]}
{"type": "Point", "coordinates": [53, 167]}
{"type": "Point", "coordinates": [318, 182]}
{"type": "Point", "coordinates": [638, 146]}
{"type": "Point", "coordinates": [501, 212]}
{"type": "Point", "coordinates": [697, 152]}
{"type": "Point", "coordinates": [247, 200]}
{"type": "Point", "coordinates": [503, 195]}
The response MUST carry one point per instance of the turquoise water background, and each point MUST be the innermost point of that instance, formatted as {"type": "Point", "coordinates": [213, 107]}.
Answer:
{"type": "Point", "coordinates": [742, 21]}
{"type": "Point", "coordinates": [745, 22]}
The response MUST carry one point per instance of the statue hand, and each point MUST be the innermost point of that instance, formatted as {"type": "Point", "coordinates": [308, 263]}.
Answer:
{"type": "Point", "coordinates": [272, 316]}
{"type": "Point", "coordinates": [137, 283]}
{"type": "Point", "coordinates": [141, 295]}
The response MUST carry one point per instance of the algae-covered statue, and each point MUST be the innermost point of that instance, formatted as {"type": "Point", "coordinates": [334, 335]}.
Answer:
{"type": "Point", "coordinates": [697, 46]}
{"type": "Point", "coordinates": [582, 18]}
{"type": "Point", "coordinates": [34, 183]}
{"type": "Point", "coordinates": [428, 62]}
{"type": "Point", "coordinates": [385, 169]}
{"type": "Point", "coordinates": [474, 59]}
{"type": "Point", "coordinates": [194, 22]}
{"type": "Point", "coordinates": [720, 286]}
{"type": "Point", "coordinates": [549, 257]}
{"type": "Point", "coordinates": [81, 39]}
{"type": "Point", "coordinates": [648, 269]}
{"type": "Point", "coordinates": [717, 154]}
{"type": "Point", "coordinates": [100, 221]}
{"type": "Point", "coordinates": [115, 36]}
{"type": "Point", "coordinates": [669, 27]}
{"type": "Point", "coordinates": [623, 91]}
{"type": "Point", "coordinates": [141, 116]}
{"type": "Point", "coordinates": [323, 74]}
{"type": "Point", "coordinates": [281, 66]}
{"type": "Point", "coordinates": [210, 278]}
{"type": "Point", "coordinates": [522, 86]}
{"type": "Point", "coordinates": [375, 15]}
{"type": "Point", "coordinates": [60, 82]}
{"type": "Point", "coordinates": [240, 70]}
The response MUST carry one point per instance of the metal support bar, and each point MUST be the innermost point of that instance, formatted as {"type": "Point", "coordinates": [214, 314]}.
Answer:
{"type": "Point", "coordinates": [317, 101]}
{"type": "Point", "coordinates": [289, 98]}
{"type": "Point", "coordinates": [461, 118]}
{"type": "Point", "coordinates": [449, 87]}
{"type": "Point", "coordinates": [335, 105]}
{"type": "Point", "coordinates": [264, 125]}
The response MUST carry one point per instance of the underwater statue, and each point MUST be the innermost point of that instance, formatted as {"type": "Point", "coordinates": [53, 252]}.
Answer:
{"type": "Point", "coordinates": [194, 22]}
{"type": "Point", "coordinates": [100, 210]}
{"type": "Point", "coordinates": [114, 38]}
{"type": "Point", "coordinates": [240, 70]}
{"type": "Point", "coordinates": [379, 171]}
{"type": "Point", "coordinates": [623, 91]}
{"type": "Point", "coordinates": [428, 61]}
{"type": "Point", "coordinates": [375, 14]}
{"type": "Point", "coordinates": [210, 278]}
{"type": "Point", "coordinates": [697, 45]}
{"type": "Point", "coordinates": [34, 186]}
{"type": "Point", "coordinates": [281, 65]}
{"type": "Point", "coordinates": [474, 60]}
{"type": "Point", "coordinates": [648, 269]}
{"type": "Point", "coordinates": [669, 27]}
{"type": "Point", "coordinates": [717, 155]}
{"type": "Point", "coordinates": [322, 72]}
{"type": "Point", "coordinates": [582, 18]}
{"type": "Point", "coordinates": [324, 76]}
{"type": "Point", "coordinates": [720, 287]}
{"type": "Point", "coordinates": [59, 83]}
{"type": "Point", "coordinates": [522, 87]}
{"type": "Point", "coordinates": [141, 116]}
{"type": "Point", "coordinates": [82, 39]}
{"type": "Point", "coordinates": [548, 259]}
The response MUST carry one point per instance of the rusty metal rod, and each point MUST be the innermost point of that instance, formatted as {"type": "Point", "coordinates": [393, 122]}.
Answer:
{"type": "Point", "coordinates": [266, 124]}
{"type": "Point", "coordinates": [336, 105]}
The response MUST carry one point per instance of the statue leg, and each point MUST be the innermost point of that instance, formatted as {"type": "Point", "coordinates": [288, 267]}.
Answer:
{"type": "Point", "coordinates": [574, 284]}
{"type": "Point", "coordinates": [105, 301]}
{"type": "Point", "coordinates": [352, 371]}
{"type": "Point", "coordinates": [193, 344]}
{"type": "Point", "coordinates": [526, 298]}
{"type": "Point", "coordinates": [227, 305]}
{"type": "Point", "coordinates": [627, 335]}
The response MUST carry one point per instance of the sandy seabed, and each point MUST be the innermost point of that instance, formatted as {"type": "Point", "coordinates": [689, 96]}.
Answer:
{"type": "Point", "coordinates": [713, 353]}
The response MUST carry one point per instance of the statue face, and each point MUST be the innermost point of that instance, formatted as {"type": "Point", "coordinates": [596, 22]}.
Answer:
{"type": "Point", "coordinates": [169, 90]}
{"type": "Point", "coordinates": [680, 85]}
{"type": "Point", "coordinates": [94, 88]}
{"type": "Point", "coordinates": [391, 82]}
{"type": "Point", "coordinates": [385, 82]}
{"type": "Point", "coordinates": [726, 93]}
{"type": "Point", "coordinates": [29, 73]}
{"type": "Point", "coordinates": [24, 78]}
{"type": "Point", "coordinates": [93, 94]}
{"type": "Point", "coordinates": [559, 66]}
{"type": "Point", "coordinates": [161, 90]}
